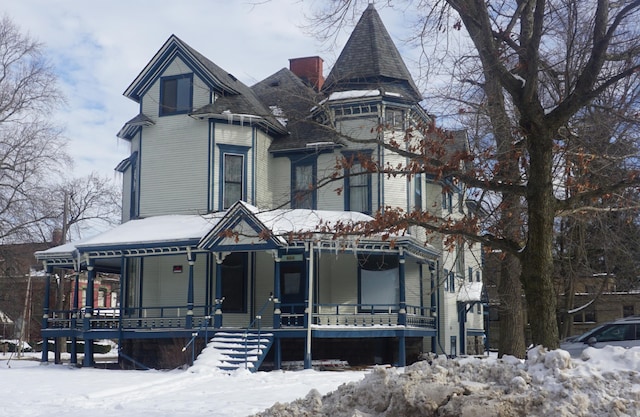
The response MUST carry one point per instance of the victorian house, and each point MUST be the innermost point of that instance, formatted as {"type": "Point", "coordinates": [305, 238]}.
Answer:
{"type": "Point", "coordinates": [228, 232]}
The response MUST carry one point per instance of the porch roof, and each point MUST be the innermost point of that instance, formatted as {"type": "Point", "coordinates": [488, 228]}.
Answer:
{"type": "Point", "coordinates": [243, 227]}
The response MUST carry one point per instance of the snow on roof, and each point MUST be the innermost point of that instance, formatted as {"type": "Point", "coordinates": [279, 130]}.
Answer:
{"type": "Point", "coordinates": [167, 228]}
{"type": "Point", "coordinates": [341, 95]}
{"type": "Point", "coordinates": [282, 222]}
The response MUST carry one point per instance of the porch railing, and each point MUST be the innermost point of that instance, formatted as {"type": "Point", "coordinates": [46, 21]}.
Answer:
{"type": "Point", "coordinates": [292, 315]}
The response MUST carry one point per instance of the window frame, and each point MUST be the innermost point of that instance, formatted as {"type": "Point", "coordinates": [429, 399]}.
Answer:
{"type": "Point", "coordinates": [231, 150]}
{"type": "Point", "coordinates": [348, 186]}
{"type": "Point", "coordinates": [164, 108]}
{"type": "Point", "coordinates": [311, 192]}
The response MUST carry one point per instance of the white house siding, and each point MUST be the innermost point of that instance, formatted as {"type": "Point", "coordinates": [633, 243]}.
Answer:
{"type": "Point", "coordinates": [395, 188]}
{"type": "Point", "coordinates": [227, 134]}
{"type": "Point", "coordinates": [328, 198]}
{"type": "Point", "coordinates": [280, 180]}
{"type": "Point", "coordinates": [412, 282]}
{"type": "Point", "coordinates": [338, 278]}
{"type": "Point", "coordinates": [264, 187]}
{"type": "Point", "coordinates": [173, 163]}
{"type": "Point", "coordinates": [173, 174]}
{"type": "Point", "coordinates": [162, 287]}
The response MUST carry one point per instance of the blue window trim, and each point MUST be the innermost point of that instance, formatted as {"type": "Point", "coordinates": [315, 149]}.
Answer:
{"type": "Point", "coordinates": [231, 150]}
{"type": "Point", "coordinates": [304, 160]}
{"type": "Point", "coordinates": [134, 191]}
{"type": "Point", "coordinates": [161, 110]}
{"type": "Point", "coordinates": [347, 190]}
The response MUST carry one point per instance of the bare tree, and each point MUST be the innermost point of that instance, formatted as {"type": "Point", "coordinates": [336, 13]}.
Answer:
{"type": "Point", "coordinates": [31, 147]}
{"type": "Point", "coordinates": [542, 65]}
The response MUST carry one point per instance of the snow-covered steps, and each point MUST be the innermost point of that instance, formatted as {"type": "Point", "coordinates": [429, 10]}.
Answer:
{"type": "Point", "coordinates": [240, 350]}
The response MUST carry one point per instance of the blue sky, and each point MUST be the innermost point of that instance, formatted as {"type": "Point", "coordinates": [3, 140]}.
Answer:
{"type": "Point", "coordinates": [98, 48]}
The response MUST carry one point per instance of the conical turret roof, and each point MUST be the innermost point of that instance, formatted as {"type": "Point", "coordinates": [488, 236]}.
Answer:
{"type": "Point", "coordinates": [370, 60]}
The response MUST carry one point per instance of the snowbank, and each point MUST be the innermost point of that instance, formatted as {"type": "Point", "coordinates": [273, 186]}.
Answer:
{"type": "Point", "coordinates": [605, 382]}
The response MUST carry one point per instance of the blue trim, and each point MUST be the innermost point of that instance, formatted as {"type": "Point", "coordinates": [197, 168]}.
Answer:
{"type": "Point", "coordinates": [210, 166]}
{"type": "Point", "coordinates": [231, 150]}
{"type": "Point", "coordinates": [298, 160]}
{"type": "Point", "coordinates": [162, 111]}
{"type": "Point", "coordinates": [119, 247]}
{"type": "Point", "coordinates": [347, 190]}
{"type": "Point", "coordinates": [236, 214]}
{"type": "Point", "coordinates": [173, 51]}
{"type": "Point", "coordinates": [253, 166]}
{"type": "Point", "coordinates": [140, 273]}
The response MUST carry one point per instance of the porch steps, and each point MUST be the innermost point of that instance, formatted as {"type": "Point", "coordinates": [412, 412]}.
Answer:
{"type": "Point", "coordinates": [240, 350]}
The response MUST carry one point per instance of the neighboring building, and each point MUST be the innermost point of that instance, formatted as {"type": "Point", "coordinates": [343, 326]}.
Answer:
{"type": "Point", "coordinates": [22, 289]}
{"type": "Point", "coordinates": [226, 227]}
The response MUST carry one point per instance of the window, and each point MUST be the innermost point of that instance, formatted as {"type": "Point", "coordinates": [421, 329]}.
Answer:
{"type": "Point", "coordinates": [479, 308]}
{"type": "Point", "coordinates": [303, 184]}
{"type": "Point", "coordinates": [176, 94]}
{"type": "Point", "coordinates": [452, 281]}
{"type": "Point", "coordinates": [477, 276]}
{"type": "Point", "coordinates": [233, 168]}
{"type": "Point", "coordinates": [379, 281]}
{"type": "Point", "coordinates": [357, 188]}
{"type": "Point", "coordinates": [447, 201]}
{"type": "Point", "coordinates": [102, 297]}
{"type": "Point", "coordinates": [394, 118]}
{"type": "Point", "coordinates": [628, 310]}
{"type": "Point", "coordinates": [470, 274]}
{"type": "Point", "coordinates": [446, 279]}
{"type": "Point", "coordinates": [585, 316]}
{"type": "Point", "coordinates": [234, 280]}
{"type": "Point", "coordinates": [418, 192]}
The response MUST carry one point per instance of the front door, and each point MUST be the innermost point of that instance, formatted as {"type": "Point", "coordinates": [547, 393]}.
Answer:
{"type": "Point", "coordinates": [292, 288]}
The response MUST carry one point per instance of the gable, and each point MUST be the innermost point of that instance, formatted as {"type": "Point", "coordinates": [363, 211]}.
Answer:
{"type": "Point", "coordinates": [212, 75]}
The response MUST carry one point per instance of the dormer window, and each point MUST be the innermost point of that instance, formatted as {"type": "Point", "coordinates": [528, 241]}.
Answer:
{"type": "Point", "coordinates": [176, 94]}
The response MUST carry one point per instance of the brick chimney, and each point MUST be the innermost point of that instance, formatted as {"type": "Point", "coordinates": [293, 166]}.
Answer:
{"type": "Point", "coordinates": [309, 69]}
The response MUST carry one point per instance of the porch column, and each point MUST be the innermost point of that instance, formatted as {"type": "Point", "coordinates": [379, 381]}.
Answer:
{"type": "Point", "coordinates": [309, 313]}
{"type": "Point", "coordinates": [276, 290]}
{"type": "Point", "coordinates": [74, 318]}
{"type": "Point", "coordinates": [277, 354]}
{"type": "Point", "coordinates": [217, 315]}
{"type": "Point", "coordinates": [45, 312]}
{"type": "Point", "coordinates": [402, 308]}
{"type": "Point", "coordinates": [191, 257]}
{"type": "Point", "coordinates": [402, 311]}
{"type": "Point", "coordinates": [86, 323]}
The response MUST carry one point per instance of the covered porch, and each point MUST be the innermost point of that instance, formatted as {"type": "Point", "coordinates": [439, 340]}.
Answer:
{"type": "Point", "coordinates": [287, 262]}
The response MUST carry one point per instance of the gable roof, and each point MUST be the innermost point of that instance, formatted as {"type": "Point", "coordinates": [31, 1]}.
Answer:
{"type": "Point", "coordinates": [370, 60]}
{"type": "Point", "coordinates": [234, 97]}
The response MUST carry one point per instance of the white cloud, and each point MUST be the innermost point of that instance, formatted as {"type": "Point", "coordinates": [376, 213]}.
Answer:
{"type": "Point", "coordinates": [98, 48]}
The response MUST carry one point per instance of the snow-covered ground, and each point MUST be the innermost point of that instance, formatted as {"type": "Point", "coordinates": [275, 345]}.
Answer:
{"type": "Point", "coordinates": [606, 383]}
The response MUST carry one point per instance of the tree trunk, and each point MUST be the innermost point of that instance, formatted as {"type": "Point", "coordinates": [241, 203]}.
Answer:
{"type": "Point", "coordinates": [510, 313]}
{"type": "Point", "coordinates": [537, 259]}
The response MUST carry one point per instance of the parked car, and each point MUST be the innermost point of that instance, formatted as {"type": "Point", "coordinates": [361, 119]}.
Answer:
{"type": "Point", "coordinates": [623, 332]}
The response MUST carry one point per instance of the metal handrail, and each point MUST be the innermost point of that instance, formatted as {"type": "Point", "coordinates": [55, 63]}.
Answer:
{"type": "Point", "coordinates": [257, 318]}
{"type": "Point", "coordinates": [204, 325]}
